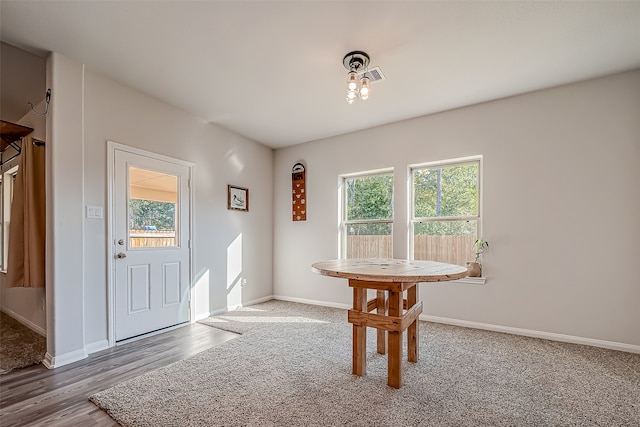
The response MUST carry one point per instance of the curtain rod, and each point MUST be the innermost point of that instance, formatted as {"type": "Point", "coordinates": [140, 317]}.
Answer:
{"type": "Point", "coordinates": [18, 148]}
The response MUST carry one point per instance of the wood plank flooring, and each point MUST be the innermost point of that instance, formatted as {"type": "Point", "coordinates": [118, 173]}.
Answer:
{"type": "Point", "coordinates": [37, 396]}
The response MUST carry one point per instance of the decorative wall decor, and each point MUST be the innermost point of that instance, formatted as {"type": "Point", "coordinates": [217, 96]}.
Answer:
{"type": "Point", "coordinates": [299, 195]}
{"type": "Point", "coordinates": [237, 198]}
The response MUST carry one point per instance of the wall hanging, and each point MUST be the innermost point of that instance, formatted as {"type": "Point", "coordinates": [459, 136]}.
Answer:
{"type": "Point", "coordinates": [299, 195]}
{"type": "Point", "coordinates": [237, 198]}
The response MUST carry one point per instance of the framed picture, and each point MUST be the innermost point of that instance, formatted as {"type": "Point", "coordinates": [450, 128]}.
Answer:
{"type": "Point", "coordinates": [237, 198]}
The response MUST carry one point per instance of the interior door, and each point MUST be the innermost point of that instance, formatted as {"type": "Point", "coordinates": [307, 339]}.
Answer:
{"type": "Point", "coordinates": [151, 244]}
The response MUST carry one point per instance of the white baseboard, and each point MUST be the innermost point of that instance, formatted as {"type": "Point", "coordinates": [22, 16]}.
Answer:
{"type": "Point", "coordinates": [56, 361]}
{"type": "Point", "coordinates": [312, 302]}
{"type": "Point", "coordinates": [257, 301]}
{"type": "Point", "coordinates": [202, 316]}
{"type": "Point", "coordinates": [96, 346]}
{"type": "Point", "coordinates": [611, 345]}
{"type": "Point", "coordinates": [232, 307]}
{"type": "Point", "coordinates": [48, 361]}
{"type": "Point", "coordinates": [26, 322]}
{"type": "Point", "coordinates": [270, 297]}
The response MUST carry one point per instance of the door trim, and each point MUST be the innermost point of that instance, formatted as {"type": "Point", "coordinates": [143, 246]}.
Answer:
{"type": "Point", "coordinates": [112, 147]}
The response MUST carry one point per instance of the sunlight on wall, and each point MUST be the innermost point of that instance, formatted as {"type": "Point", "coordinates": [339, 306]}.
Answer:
{"type": "Point", "coordinates": [200, 296]}
{"type": "Point", "coordinates": [234, 273]}
{"type": "Point", "coordinates": [234, 161]}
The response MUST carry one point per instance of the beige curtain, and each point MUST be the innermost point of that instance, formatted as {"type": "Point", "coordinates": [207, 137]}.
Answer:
{"type": "Point", "coordinates": [25, 263]}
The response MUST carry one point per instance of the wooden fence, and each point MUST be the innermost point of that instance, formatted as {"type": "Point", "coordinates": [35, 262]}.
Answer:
{"type": "Point", "coordinates": [451, 249]}
{"type": "Point", "coordinates": [151, 239]}
{"type": "Point", "coordinates": [369, 247]}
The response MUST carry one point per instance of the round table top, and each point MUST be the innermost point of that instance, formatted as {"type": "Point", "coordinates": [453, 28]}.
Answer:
{"type": "Point", "coordinates": [390, 270]}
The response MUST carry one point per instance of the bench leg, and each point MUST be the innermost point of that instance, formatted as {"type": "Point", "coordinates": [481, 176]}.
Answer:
{"type": "Point", "coordinates": [381, 308]}
{"type": "Point", "coordinates": [412, 330]}
{"type": "Point", "coordinates": [359, 356]}
{"type": "Point", "coordinates": [395, 342]}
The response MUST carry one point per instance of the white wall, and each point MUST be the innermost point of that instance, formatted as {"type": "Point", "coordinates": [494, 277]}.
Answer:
{"type": "Point", "coordinates": [64, 252]}
{"type": "Point", "coordinates": [116, 113]}
{"type": "Point", "coordinates": [23, 80]}
{"type": "Point", "coordinates": [560, 205]}
{"type": "Point", "coordinates": [87, 110]}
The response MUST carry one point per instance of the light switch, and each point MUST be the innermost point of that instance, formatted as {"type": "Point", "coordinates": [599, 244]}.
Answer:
{"type": "Point", "coordinates": [94, 212]}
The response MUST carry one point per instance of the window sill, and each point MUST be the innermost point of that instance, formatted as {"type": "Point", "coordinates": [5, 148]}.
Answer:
{"type": "Point", "coordinates": [471, 280]}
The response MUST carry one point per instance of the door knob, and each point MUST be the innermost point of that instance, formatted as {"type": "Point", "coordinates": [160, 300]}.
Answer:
{"type": "Point", "coordinates": [121, 255]}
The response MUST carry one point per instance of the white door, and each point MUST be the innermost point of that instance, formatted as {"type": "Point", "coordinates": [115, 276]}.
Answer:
{"type": "Point", "coordinates": [151, 244]}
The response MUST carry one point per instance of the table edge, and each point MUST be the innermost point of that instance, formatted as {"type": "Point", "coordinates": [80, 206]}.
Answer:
{"type": "Point", "coordinates": [387, 278]}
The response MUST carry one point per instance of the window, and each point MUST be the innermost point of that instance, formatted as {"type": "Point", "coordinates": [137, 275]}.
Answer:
{"type": "Point", "coordinates": [367, 215]}
{"type": "Point", "coordinates": [6, 196]}
{"type": "Point", "coordinates": [153, 198]}
{"type": "Point", "coordinates": [445, 214]}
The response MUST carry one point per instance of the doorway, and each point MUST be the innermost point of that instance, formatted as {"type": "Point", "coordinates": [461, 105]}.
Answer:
{"type": "Point", "coordinates": [150, 256]}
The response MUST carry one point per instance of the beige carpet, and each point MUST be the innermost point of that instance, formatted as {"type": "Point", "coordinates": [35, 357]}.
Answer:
{"type": "Point", "coordinates": [298, 373]}
{"type": "Point", "coordinates": [19, 346]}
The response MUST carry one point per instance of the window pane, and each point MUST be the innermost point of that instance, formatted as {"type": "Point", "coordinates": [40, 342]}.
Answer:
{"type": "Point", "coordinates": [369, 241]}
{"type": "Point", "coordinates": [152, 208]}
{"type": "Point", "coordinates": [446, 191]}
{"type": "Point", "coordinates": [8, 182]}
{"type": "Point", "coordinates": [369, 197]}
{"type": "Point", "coordinates": [445, 241]}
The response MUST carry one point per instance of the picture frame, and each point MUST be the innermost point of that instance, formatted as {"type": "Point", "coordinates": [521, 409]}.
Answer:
{"type": "Point", "coordinates": [237, 198]}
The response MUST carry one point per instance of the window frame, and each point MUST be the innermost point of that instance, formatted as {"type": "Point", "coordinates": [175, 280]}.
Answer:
{"type": "Point", "coordinates": [6, 194]}
{"type": "Point", "coordinates": [344, 223]}
{"type": "Point", "coordinates": [413, 220]}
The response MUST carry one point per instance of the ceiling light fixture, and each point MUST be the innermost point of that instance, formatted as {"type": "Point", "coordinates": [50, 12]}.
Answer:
{"type": "Point", "coordinates": [358, 85]}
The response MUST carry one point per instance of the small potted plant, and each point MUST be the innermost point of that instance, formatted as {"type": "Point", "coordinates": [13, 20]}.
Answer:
{"type": "Point", "coordinates": [474, 267]}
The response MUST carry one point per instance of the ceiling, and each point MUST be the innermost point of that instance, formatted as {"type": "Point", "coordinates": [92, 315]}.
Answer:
{"type": "Point", "coordinates": [272, 70]}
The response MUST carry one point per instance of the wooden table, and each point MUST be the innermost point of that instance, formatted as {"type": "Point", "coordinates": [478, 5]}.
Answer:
{"type": "Point", "coordinates": [390, 278]}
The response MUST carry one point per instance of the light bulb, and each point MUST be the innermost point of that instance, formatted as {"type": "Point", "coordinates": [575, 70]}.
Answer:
{"type": "Point", "coordinates": [350, 100]}
{"type": "Point", "coordinates": [352, 81]}
{"type": "Point", "coordinates": [365, 88]}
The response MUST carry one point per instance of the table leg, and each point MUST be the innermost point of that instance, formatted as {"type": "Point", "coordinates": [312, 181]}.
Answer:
{"type": "Point", "coordinates": [359, 356]}
{"type": "Point", "coordinates": [395, 342]}
{"type": "Point", "coordinates": [381, 304]}
{"type": "Point", "coordinates": [412, 330]}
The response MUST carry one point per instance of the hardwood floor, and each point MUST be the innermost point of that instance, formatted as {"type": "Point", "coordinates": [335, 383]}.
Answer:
{"type": "Point", "coordinates": [37, 396]}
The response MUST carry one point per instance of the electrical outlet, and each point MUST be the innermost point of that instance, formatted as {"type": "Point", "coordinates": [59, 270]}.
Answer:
{"type": "Point", "coordinates": [244, 282]}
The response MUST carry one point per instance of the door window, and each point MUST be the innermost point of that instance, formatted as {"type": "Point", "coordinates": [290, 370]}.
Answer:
{"type": "Point", "coordinates": [152, 207]}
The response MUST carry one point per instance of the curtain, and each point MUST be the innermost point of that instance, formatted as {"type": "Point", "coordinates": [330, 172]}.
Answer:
{"type": "Point", "coordinates": [25, 263]}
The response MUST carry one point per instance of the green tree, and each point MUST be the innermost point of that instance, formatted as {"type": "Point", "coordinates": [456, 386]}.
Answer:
{"type": "Point", "coordinates": [446, 192]}
{"type": "Point", "coordinates": [370, 197]}
{"type": "Point", "coordinates": [151, 213]}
